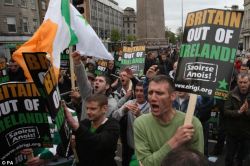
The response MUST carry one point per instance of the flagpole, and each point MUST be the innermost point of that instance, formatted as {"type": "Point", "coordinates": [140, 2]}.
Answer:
{"type": "Point", "coordinates": [73, 86]}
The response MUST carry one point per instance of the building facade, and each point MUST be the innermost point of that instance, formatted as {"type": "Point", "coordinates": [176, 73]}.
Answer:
{"type": "Point", "coordinates": [83, 6]}
{"type": "Point", "coordinates": [129, 23]}
{"type": "Point", "coordinates": [19, 20]}
{"type": "Point", "coordinates": [103, 15]}
{"type": "Point", "coordinates": [245, 32]}
{"type": "Point", "coordinates": [42, 8]}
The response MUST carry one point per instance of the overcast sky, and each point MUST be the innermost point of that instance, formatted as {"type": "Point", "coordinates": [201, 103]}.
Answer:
{"type": "Point", "coordinates": [172, 8]}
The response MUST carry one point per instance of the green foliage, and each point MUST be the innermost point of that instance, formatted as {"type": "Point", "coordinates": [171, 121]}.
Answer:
{"type": "Point", "coordinates": [130, 38]}
{"type": "Point", "coordinates": [115, 35]}
{"type": "Point", "coordinates": [179, 33]}
{"type": "Point", "coordinates": [170, 36]}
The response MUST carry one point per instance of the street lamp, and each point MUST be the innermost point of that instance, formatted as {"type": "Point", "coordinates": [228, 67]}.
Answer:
{"type": "Point", "coordinates": [233, 7]}
{"type": "Point", "coordinates": [182, 15]}
{"type": "Point", "coordinates": [182, 28]}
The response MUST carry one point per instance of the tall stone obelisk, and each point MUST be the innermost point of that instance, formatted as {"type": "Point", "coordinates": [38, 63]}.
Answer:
{"type": "Point", "coordinates": [150, 22]}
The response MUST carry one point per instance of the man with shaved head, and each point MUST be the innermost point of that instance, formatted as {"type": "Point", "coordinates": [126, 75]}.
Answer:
{"type": "Point", "coordinates": [158, 132]}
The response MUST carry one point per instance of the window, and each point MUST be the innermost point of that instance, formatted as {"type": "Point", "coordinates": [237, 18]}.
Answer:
{"type": "Point", "coordinates": [128, 31]}
{"type": "Point", "coordinates": [35, 23]}
{"type": "Point", "coordinates": [8, 2]}
{"type": "Point", "coordinates": [25, 25]}
{"type": "Point", "coordinates": [128, 25]}
{"type": "Point", "coordinates": [43, 5]}
{"type": "Point", "coordinates": [33, 4]}
{"type": "Point", "coordinates": [23, 3]}
{"type": "Point", "coordinates": [11, 22]}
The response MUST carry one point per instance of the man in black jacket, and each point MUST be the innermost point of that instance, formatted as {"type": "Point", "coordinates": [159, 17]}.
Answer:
{"type": "Point", "coordinates": [237, 118]}
{"type": "Point", "coordinates": [97, 136]}
{"type": "Point", "coordinates": [15, 72]}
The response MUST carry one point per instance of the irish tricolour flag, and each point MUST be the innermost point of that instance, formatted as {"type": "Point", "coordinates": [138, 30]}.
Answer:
{"type": "Point", "coordinates": [62, 27]}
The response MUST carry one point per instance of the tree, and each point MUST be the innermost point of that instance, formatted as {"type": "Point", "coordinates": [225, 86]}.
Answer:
{"type": "Point", "coordinates": [170, 36]}
{"type": "Point", "coordinates": [179, 33]}
{"type": "Point", "coordinates": [130, 38]}
{"type": "Point", "coordinates": [115, 35]}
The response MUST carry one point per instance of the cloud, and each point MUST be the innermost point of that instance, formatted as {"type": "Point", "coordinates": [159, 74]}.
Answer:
{"type": "Point", "coordinates": [173, 10]}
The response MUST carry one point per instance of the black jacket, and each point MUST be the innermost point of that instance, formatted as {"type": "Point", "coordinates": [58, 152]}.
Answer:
{"type": "Point", "coordinates": [17, 76]}
{"type": "Point", "coordinates": [236, 124]}
{"type": "Point", "coordinates": [97, 149]}
{"type": "Point", "coordinates": [165, 66]}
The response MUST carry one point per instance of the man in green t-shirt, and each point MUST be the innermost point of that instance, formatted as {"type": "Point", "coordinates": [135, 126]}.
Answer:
{"type": "Point", "coordinates": [162, 130]}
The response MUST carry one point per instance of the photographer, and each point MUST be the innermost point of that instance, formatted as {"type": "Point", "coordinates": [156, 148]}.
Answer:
{"type": "Point", "coordinates": [165, 64]}
{"type": "Point", "coordinates": [151, 59]}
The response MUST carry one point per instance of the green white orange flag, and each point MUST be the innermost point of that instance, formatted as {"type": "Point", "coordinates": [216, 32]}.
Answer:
{"type": "Point", "coordinates": [62, 27]}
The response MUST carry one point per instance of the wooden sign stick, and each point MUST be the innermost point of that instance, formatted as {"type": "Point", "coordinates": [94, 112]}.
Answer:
{"type": "Point", "coordinates": [72, 73]}
{"type": "Point", "coordinates": [190, 109]}
{"type": "Point", "coordinates": [30, 156]}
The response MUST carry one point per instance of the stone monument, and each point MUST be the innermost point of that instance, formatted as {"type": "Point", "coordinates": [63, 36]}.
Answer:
{"type": "Point", "coordinates": [151, 23]}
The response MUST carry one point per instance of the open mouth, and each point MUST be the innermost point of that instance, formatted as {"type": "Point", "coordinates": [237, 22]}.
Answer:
{"type": "Point", "coordinates": [155, 106]}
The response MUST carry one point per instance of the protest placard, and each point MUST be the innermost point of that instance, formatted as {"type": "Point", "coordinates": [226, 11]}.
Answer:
{"type": "Point", "coordinates": [44, 77]}
{"type": "Point", "coordinates": [23, 119]}
{"type": "Point", "coordinates": [207, 55]}
{"type": "Point", "coordinates": [65, 63]}
{"type": "Point", "coordinates": [134, 58]}
{"type": "Point", "coordinates": [101, 67]}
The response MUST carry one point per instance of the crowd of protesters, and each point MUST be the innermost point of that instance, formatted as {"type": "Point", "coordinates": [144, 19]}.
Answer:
{"type": "Point", "coordinates": [147, 115]}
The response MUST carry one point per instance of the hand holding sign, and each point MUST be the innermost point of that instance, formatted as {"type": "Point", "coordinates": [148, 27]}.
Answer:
{"type": "Point", "coordinates": [182, 135]}
{"type": "Point", "coordinates": [35, 161]}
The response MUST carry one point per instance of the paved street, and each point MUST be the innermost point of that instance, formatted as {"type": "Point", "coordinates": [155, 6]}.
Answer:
{"type": "Point", "coordinates": [214, 160]}
{"type": "Point", "coordinates": [218, 160]}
